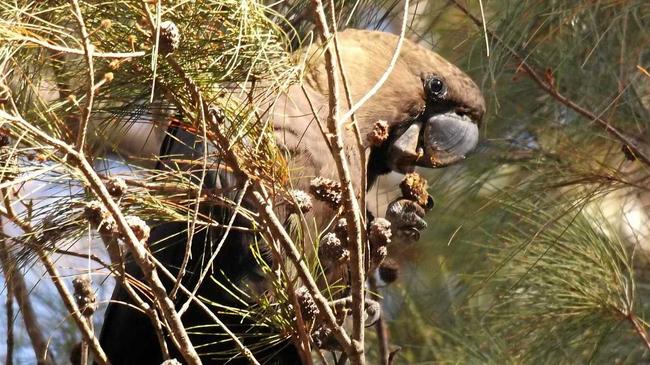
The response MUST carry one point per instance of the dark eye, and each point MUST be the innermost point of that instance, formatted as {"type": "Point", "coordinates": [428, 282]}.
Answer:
{"type": "Point", "coordinates": [435, 88]}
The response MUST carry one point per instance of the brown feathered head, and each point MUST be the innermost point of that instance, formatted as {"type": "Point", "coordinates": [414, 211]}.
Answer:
{"type": "Point", "coordinates": [432, 108]}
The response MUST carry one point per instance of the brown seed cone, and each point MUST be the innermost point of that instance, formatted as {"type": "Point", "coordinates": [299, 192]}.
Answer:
{"type": "Point", "coordinates": [379, 133]}
{"type": "Point", "coordinates": [326, 190]}
{"type": "Point", "coordinates": [116, 187]}
{"type": "Point", "coordinates": [139, 228]}
{"type": "Point", "coordinates": [98, 217]}
{"type": "Point", "coordinates": [324, 339]}
{"type": "Point", "coordinates": [302, 201]}
{"type": "Point", "coordinates": [414, 187]}
{"type": "Point", "coordinates": [170, 38]}
{"type": "Point", "coordinates": [331, 249]}
{"type": "Point", "coordinates": [341, 230]}
{"type": "Point", "coordinates": [379, 233]}
{"type": "Point", "coordinates": [308, 308]}
{"type": "Point", "coordinates": [84, 296]}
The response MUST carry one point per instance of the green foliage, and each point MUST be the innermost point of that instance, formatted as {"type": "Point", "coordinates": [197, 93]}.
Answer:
{"type": "Point", "coordinates": [519, 265]}
{"type": "Point", "coordinates": [533, 254]}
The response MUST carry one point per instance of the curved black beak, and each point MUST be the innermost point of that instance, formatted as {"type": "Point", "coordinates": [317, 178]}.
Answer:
{"type": "Point", "coordinates": [439, 141]}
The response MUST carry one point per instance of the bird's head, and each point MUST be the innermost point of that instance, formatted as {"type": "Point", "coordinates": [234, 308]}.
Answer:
{"type": "Point", "coordinates": [445, 130]}
{"type": "Point", "coordinates": [433, 109]}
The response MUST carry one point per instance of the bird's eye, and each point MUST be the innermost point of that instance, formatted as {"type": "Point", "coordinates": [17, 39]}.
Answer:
{"type": "Point", "coordinates": [435, 88]}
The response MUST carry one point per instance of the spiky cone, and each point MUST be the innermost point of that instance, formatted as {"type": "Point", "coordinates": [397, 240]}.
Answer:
{"type": "Point", "coordinates": [84, 296]}
{"type": "Point", "coordinates": [302, 201]}
{"type": "Point", "coordinates": [414, 187]}
{"type": "Point", "coordinates": [50, 230]}
{"type": "Point", "coordinates": [331, 249]}
{"type": "Point", "coordinates": [327, 191]}
{"type": "Point", "coordinates": [139, 227]}
{"type": "Point", "coordinates": [308, 309]}
{"type": "Point", "coordinates": [323, 338]}
{"type": "Point", "coordinates": [341, 230]}
{"type": "Point", "coordinates": [379, 133]}
{"type": "Point", "coordinates": [98, 217]}
{"type": "Point", "coordinates": [116, 187]}
{"type": "Point", "coordinates": [379, 232]}
{"type": "Point", "coordinates": [170, 38]}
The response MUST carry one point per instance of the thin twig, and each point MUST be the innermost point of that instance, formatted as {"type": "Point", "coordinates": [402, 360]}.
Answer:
{"type": "Point", "coordinates": [388, 71]}
{"type": "Point", "coordinates": [266, 206]}
{"type": "Point", "coordinates": [197, 99]}
{"type": "Point", "coordinates": [639, 329]}
{"type": "Point", "coordinates": [350, 203]}
{"type": "Point", "coordinates": [240, 345]}
{"type": "Point", "coordinates": [71, 306]}
{"type": "Point", "coordinates": [9, 302]}
{"type": "Point", "coordinates": [65, 295]}
{"type": "Point", "coordinates": [80, 52]}
{"type": "Point", "coordinates": [16, 282]}
{"type": "Point", "coordinates": [190, 236]}
{"type": "Point", "coordinates": [216, 251]}
{"type": "Point", "coordinates": [280, 234]}
{"type": "Point", "coordinates": [357, 133]}
{"type": "Point", "coordinates": [90, 82]}
{"type": "Point", "coordinates": [380, 326]}
{"type": "Point", "coordinates": [33, 328]}
{"type": "Point", "coordinates": [553, 92]}
{"type": "Point", "coordinates": [140, 254]}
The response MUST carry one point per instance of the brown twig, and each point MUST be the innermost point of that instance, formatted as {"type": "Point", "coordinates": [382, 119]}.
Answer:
{"type": "Point", "coordinates": [350, 203]}
{"type": "Point", "coordinates": [65, 295]}
{"type": "Point", "coordinates": [90, 82]}
{"type": "Point", "coordinates": [69, 302]}
{"type": "Point", "coordinates": [380, 326]}
{"type": "Point", "coordinates": [21, 293]}
{"type": "Point", "coordinates": [16, 282]}
{"type": "Point", "coordinates": [115, 254]}
{"type": "Point", "coordinates": [357, 133]}
{"type": "Point", "coordinates": [240, 345]}
{"type": "Point", "coordinates": [280, 234]}
{"type": "Point", "coordinates": [9, 305]}
{"type": "Point", "coordinates": [80, 52]}
{"type": "Point", "coordinates": [208, 267]}
{"type": "Point", "coordinates": [551, 90]}
{"type": "Point", "coordinates": [202, 109]}
{"type": "Point", "coordinates": [266, 206]}
{"type": "Point", "coordinates": [639, 329]}
{"type": "Point", "coordinates": [140, 254]}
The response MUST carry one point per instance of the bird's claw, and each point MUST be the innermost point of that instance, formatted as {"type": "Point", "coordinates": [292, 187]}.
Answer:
{"type": "Point", "coordinates": [407, 219]}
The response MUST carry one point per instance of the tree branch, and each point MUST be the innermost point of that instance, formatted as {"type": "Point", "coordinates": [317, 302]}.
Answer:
{"type": "Point", "coordinates": [550, 89]}
{"type": "Point", "coordinates": [90, 82]}
{"type": "Point", "coordinates": [350, 203]}
{"type": "Point", "coordinates": [140, 254]}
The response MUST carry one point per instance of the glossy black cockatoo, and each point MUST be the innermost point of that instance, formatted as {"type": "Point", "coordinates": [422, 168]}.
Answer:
{"type": "Point", "coordinates": [431, 109]}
